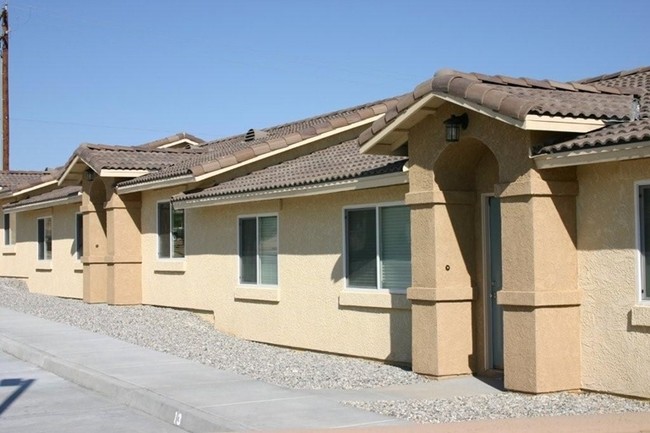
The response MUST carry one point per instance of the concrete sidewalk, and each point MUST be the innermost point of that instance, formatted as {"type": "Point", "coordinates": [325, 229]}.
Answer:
{"type": "Point", "coordinates": [198, 398]}
{"type": "Point", "coordinates": [190, 395]}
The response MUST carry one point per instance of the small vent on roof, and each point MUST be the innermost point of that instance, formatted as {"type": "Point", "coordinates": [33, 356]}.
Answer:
{"type": "Point", "coordinates": [255, 134]}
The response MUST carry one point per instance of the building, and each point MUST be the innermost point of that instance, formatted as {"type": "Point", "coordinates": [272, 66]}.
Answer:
{"type": "Point", "coordinates": [476, 223]}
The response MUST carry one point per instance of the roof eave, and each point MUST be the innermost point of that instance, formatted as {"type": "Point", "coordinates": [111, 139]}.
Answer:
{"type": "Point", "coordinates": [27, 190]}
{"type": "Point", "coordinates": [44, 204]}
{"type": "Point", "coordinates": [301, 143]}
{"type": "Point", "coordinates": [191, 178]}
{"type": "Point", "coordinates": [594, 155]}
{"type": "Point", "coordinates": [108, 172]}
{"type": "Point", "coordinates": [155, 184]}
{"type": "Point", "coordinates": [390, 179]}
{"type": "Point", "coordinates": [394, 134]}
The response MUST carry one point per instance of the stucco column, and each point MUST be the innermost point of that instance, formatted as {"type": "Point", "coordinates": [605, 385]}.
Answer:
{"type": "Point", "coordinates": [442, 230]}
{"type": "Point", "coordinates": [540, 296]}
{"type": "Point", "coordinates": [124, 251]}
{"type": "Point", "coordinates": [94, 238]}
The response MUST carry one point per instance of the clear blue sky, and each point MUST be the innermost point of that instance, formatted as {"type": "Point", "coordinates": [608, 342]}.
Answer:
{"type": "Point", "coordinates": [131, 71]}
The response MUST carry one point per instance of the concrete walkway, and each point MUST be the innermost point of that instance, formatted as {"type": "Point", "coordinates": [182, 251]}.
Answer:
{"type": "Point", "coordinates": [198, 398]}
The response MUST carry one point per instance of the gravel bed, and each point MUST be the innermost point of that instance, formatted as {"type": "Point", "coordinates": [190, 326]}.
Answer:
{"type": "Point", "coordinates": [499, 406]}
{"type": "Point", "coordinates": [183, 334]}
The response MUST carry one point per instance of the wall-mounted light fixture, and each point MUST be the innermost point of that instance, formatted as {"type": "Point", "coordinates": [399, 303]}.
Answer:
{"type": "Point", "coordinates": [453, 125]}
{"type": "Point", "coordinates": [89, 175]}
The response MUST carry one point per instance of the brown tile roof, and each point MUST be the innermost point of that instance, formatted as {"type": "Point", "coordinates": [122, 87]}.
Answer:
{"type": "Point", "coordinates": [617, 133]}
{"type": "Point", "coordinates": [519, 97]}
{"type": "Point", "coordinates": [13, 179]}
{"type": "Point", "coordinates": [233, 150]}
{"type": "Point", "coordinates": [342, 161]}
{"type": "Point", "coordinates": [172, 139]}
{"type": "Point", "coordinates": [59, 193]}
{"type": "Point", "coordinates": [639, 77]}
{"type": "Point", "coordinates": [100, 157]}
{"type": "Point", "coordinates": [621, 133]}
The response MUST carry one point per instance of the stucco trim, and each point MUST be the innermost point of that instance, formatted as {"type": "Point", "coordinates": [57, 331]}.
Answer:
{"type": "Point", "coordinates": [261, 294]}
{"type": "Point", "coordinates": [619, 152]}
{"type": "Point", "coordinates": [374, 299]}
{"type": "Point", "coordinates": [536, 187]}
{"type": "Point", "coordinates": [641, 315]}
{"type": "Point", "coordinates": [539, 298]}
{"type": "Point", "coordinates": [446, 294]}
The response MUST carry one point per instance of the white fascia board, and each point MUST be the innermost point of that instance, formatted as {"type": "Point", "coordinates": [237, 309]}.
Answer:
{"type": "Point", "coordinates": [481, 109]}
{"type": "Point", "coordinates": [45, 204]}
{"type": "Point", "coordinates": [390, 179]}
{"type": "Point", "coordinates": [122, 173]}
{"type": "Point", "coordinates": [174, 143]}
{"type": "Point", "coordinates": [33, 188]}
{"type": "Point", "coordinates": [395, 123]}
{"type": "Point", "coordinates": [290, 147]}
{"type": "Point", "coordinates": [535, 122]}
{"type": "Point", "coordinates": [597, 155]}
{"type": "Point", "coordinates": [67, 170]}
{"type": "Point", "coordinates": [155, 184]}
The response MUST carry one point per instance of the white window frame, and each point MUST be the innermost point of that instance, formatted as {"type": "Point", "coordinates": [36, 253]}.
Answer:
{"type": "Point", "coordinates": [257, 236]}
{"type": "Point", "coordinates": [76, 235]}
{"type": "Point", "coordinates": [375, 206]}
{"type": "Point", "coordinates": [640, 260]}
{"type": "Point", "coordinates": [9, 233]}
{"type": "Point", "coordinates": [44, 259]}
{"type": "Point", "coordinates": [171, 234]}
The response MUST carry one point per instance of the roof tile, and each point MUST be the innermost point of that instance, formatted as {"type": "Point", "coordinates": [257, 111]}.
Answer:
{"type": "Point", "coordinates": [523, 96]}
{"type": "Point", "coordinates": [620, 133]}
{"type": "Point", "coordinates": [342, 161]}
{"type": "Point", "coordinates": [278, 137]}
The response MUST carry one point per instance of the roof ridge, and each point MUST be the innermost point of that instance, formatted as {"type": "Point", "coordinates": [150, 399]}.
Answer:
{"type": "Point", "coordinates": [613, 75]}
{"type": "Point", "coordinates": [170, 139]}
{"type": "Point", "coordinates": [121, 148]}
{"type": "Point", "coordinates": [25, 172]}
{"type": "Point", "coordinates": [544, 84]}
{"type": "Point", "coordinates": [324, 116]}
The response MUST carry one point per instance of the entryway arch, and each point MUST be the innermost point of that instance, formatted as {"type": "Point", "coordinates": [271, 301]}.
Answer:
{"type": "Point", "coordinates": [470, 167]}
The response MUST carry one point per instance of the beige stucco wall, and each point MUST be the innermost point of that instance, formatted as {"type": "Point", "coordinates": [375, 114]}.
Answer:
{"type": "Point", "coordinates": [62, 276]}
{"type": "Point", "coordinates": [614, 350]}
{"type": "Point", "coordinates": [310, 308]}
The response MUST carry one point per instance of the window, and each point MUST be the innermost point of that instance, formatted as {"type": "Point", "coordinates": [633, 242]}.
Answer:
{"type": "Point", "coordinates": [79, 235]}
{"type": "Point", "coordinates": [10, 238]}
{"type": "Point", "coordinates": [171, 231]}
{"type": "Point", "coordinates": [258, 250]}
{"type": "Point", "coordinates": [644, 239]}
{"type": "Point", "coordinates": [44, 238]}
{"type": "Point", "coordinates": [378, 247]}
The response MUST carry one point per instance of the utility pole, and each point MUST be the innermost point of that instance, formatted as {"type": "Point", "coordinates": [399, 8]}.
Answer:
{"type": "Point", "coordinates": [4, 40]}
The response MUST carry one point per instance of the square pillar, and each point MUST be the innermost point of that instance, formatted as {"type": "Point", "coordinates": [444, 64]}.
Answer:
{"type": "Point", "coordinates": [540, 296]}
{"type": "Point", "coordinates": [442, 239]}
{"type": "Point", "coordinates": [124, 250]}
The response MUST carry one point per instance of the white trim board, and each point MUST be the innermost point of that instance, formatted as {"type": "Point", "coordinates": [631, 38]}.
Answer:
{"type": "Point", "coordinates": [594, 155]}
